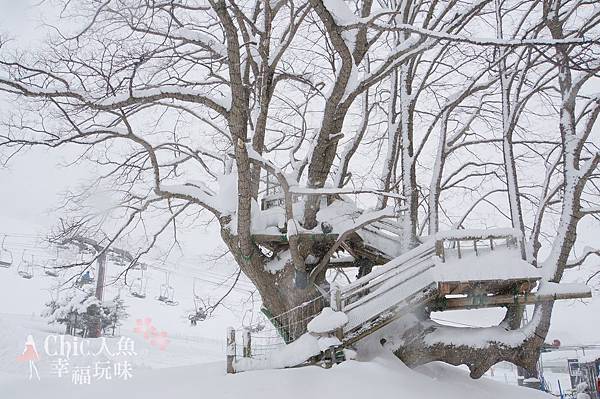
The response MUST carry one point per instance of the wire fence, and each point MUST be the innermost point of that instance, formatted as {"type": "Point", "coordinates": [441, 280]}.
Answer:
{"type": "Point", "coordinates": [271, 333]}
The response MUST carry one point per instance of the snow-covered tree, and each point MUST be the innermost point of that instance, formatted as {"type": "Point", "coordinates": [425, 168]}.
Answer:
{"type": "Point", "coordinates": [193, 105]}
{"type": "Point", "coordinates": [80, 311]}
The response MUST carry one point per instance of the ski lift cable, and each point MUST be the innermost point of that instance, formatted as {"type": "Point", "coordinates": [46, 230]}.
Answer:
{"type": "Point", "coordinates": [206, 273]}
{"type": "Point", "coordinates": [31, 246]}
{"type": "Point", "coordinates": [205, 276]}
{"type": "Point", "coordinates": [199, 277]}
{"type": "Point", "coordinates": [214, 283]}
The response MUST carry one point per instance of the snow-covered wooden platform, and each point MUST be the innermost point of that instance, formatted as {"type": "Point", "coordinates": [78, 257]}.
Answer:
{"type": "Point", "coordinates": [453, 271]}
{"type": "Point", "coordinates": [460, 269]}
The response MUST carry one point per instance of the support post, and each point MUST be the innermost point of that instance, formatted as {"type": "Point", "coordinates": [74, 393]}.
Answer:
{"type": "Point", "coordinates": [336, 305]}
{"type": "Point", "coordinates": [458, 249]}
{"type": "Point", "coordinates": [101, 276]}
{"type": "Point", "coordinates": [336, 298]}
{"type": "Point", "coordinates": [523, 249]}
{"type": "Point", "coordinates": [95, 325]}
{"type": "Point", "coordinates": [230, 350]}
{"type": "Point", "coordinates": [247, 342]}
{"type": "Point", "coordinates": [439, 250]}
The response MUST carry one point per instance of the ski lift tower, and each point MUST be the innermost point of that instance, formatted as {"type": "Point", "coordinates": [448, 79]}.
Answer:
{"type": "Point", "coordinates": [90, 245]}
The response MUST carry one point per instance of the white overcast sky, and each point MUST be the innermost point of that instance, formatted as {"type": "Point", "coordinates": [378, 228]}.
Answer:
{"type": "Point", "coordinates": [33, 181]}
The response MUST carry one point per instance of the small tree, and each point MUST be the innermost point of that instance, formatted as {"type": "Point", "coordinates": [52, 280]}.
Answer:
{"type": "Point", "coordinates": [80, 311]}
{"type": "Point", "coordinates": [114, 312]}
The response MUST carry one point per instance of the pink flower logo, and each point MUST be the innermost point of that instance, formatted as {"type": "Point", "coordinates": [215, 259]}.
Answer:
{"type": "Point", "coordinates": [145, 328]}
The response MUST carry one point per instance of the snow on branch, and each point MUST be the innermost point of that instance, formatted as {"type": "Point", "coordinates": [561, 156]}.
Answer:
{"type": "Point", "coordinates": [557, 289]}
{"type": "Point", "coordinates": [467, 234]}
{"type": "Point", "coordinates": [194, 193]}
{"type": "Point", "coordinates": [483, 337]}
{"type": "Point", "coordinates": [341, 13]}
{"type": "Point", "coordinates": [195, 37]}
{"type": "Point", "coordinates": [587, 252]}
{"type": "Point", "coordinates": [361, 221]}
{"type": "Point", "coordinates": [590, 210]}
{"type": "Point", "coordinates": [371, 22]}
{"type": "Point", "coordinates": [220, 104]}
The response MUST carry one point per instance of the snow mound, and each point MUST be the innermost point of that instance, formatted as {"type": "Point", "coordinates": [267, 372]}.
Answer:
{"type": "Point", "coordinates": [327, 321]}
{"type": "Point", "coordinates": [290, 355]}
{"type": "Point", "coordinates": [383, 377]}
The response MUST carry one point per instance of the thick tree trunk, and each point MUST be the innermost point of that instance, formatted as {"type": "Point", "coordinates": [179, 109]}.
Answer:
{"type": "Point", "coordinates": [278, 291]}
{"type": "Point", "coordinates": [436, 178]}
{"type": "Point", "coordinates": [409, 175]}
{"type": "Point", "coordinates": [418, 347]}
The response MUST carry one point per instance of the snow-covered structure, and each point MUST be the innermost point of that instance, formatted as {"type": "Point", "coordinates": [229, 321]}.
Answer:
{"type": "Point", "coordinates": [460, 269]}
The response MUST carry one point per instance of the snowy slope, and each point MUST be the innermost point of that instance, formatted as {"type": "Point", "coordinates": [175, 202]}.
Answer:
{"type": "Point", "coordinates": [383, 377]}
{"type": "Point", "coordinates": [191, 366]}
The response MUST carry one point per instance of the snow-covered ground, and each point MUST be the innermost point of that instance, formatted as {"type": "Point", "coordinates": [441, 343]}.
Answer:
{"type": "Point", "coordinates": [187, 368]}
{"type": "Point", "coordinates": [192, 362]}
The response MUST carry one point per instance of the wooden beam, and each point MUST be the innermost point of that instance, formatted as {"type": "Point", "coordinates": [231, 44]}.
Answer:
{"type": "Point", "coordinates": [265, 238]}
{"type": "Point", "coordinates": [473, 302]}
{"type": "Point", "coordinates": [341, 264]}
{"type": "Point", "coordinates": [489, 286]}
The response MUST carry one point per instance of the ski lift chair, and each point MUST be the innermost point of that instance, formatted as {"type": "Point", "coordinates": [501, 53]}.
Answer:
{"type": "Point", "coordinates": [258, 327]}
{"type": "Point", "coordinates": [25, 268]}
{"type": "Point", "coordinates": [253, 327]}
{"type": "Point", "coordinates": [167, 292]}
{"type": "Point", "coordinates": [87, 251]}
{"type": "Point", "coordinates": [199, 315]}
{"type": "Point", "coordinates": [138, 294]}
{"type": "Point", "coordinates": [85, 279]}
{"type": "Point", "coordinates": [120, 262]}
{"type": "Point", "coordinates": [6, 258]}
{"type": "Point", "coordinates": [200, 308]}
{"type": "Point", "coordinates": [50, 271]}
{"type": "Point", "coordinates": [62, 246]}
{"type": "Point", "coordinates": [140, 266]}
{"type": "Point", "coordinates": [138, 288]}
{"type": "Point", "coordinates": [51, 268]}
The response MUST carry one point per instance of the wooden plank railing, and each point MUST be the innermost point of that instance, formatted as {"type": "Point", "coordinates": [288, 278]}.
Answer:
{"type": "Point", "coordinates": [387, 277]}
{"type": "Point", "coordinates": [396, 274]}
{"type": "Point", "coordinates": [477, 244]}
{"type": "Point", "coordinates": [370, 282]}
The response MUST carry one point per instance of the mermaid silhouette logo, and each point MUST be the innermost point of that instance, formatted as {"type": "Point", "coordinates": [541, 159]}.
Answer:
{"type": "Point", "coordinates": [30, 354]}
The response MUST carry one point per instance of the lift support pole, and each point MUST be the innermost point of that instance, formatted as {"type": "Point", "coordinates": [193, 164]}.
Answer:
{"type": "Point", "coordinates": [101, 276]}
